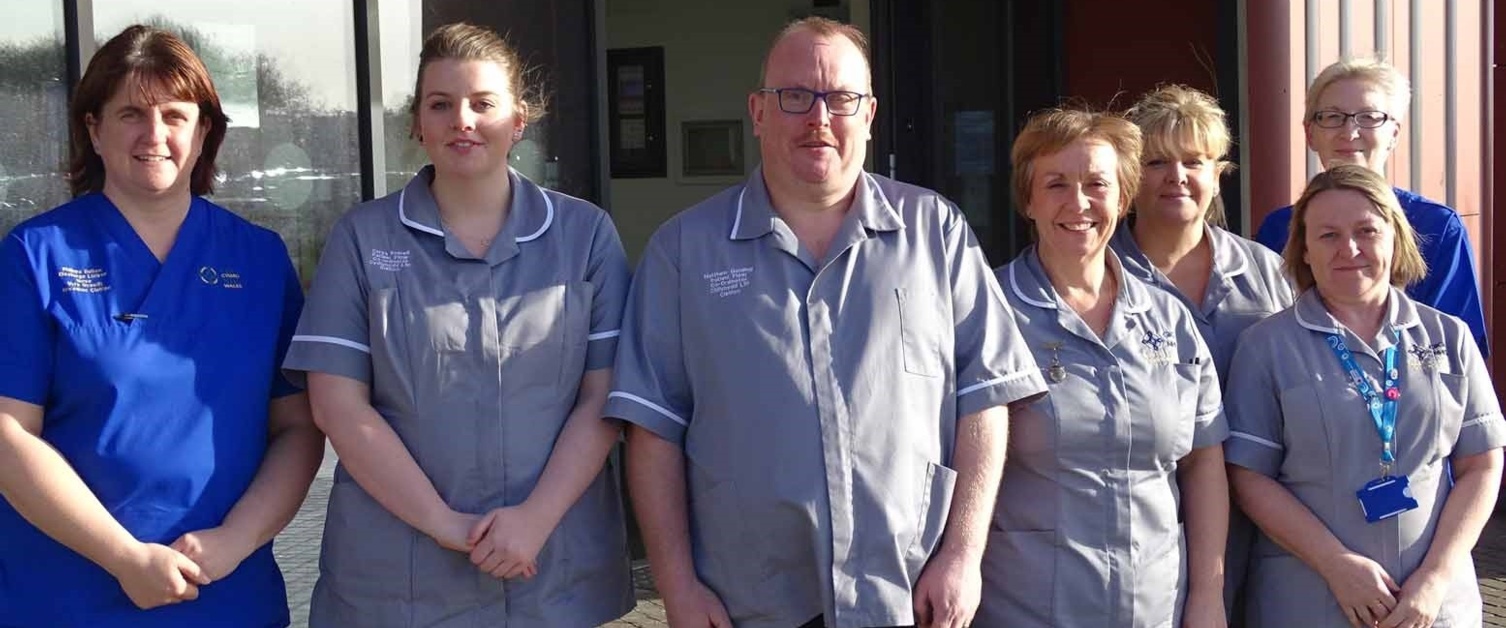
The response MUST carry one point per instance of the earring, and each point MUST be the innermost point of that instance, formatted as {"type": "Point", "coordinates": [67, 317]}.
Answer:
{"type": "Point", "coordinates": [517, 135]}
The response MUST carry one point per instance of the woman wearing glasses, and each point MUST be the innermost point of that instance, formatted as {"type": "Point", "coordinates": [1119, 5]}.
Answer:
{"type": "Point", "coordinates": [1354, 116]}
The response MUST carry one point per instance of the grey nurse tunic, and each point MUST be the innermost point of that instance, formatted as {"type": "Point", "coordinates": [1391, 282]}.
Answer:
{"type": "Point", "coordinates": [1087, 531]}
{"type": "Point", "coordinates": [475, 363]}
{"type": "Point", "coordinates": [817, 400]}
{"type": "Point", "coordinates": [1295, 417]}
{"type": "Point", "coordinates": [1245, 286]}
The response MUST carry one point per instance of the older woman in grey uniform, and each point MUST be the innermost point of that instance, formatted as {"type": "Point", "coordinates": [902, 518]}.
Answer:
{"type": "Point", "coordinates": [458, 343]}
{"type": "Point", "coordinates": [1174, 241]}
{"type": "Point", "coordinates": [1346, 412]}
{"type": "Point", "coordinates": [1088, 526]}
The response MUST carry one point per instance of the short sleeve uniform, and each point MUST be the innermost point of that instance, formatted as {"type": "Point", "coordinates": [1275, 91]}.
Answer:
{"type": "Point", "coordinates": [155, 380]}
{"type": "Point", "coordinates": [1295, 416]}
{"type": "Point", "coordinates": [1451, 285]}
{"type": "Point", "coordinates": [1086, 531]}
{"type": "Point", "coordinates": [1246, 285]}
{"type": "Point", "coordinates": [475, 363]}
{"type": "Point", "coordinates": [817, 401]}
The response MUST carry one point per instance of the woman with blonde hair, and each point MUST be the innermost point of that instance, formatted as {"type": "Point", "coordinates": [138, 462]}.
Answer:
{"type": "Point", "coordinates": [1100, 474]}
{"type": "Point", "coordinates": [458, 344]}
{"type": "Point", "coordinates": [1347, 411]}
{"type": "Point", "coordinates": [1175, 241]}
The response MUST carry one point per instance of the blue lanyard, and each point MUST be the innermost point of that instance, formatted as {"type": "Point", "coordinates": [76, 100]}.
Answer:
{"type": "Point", "coordinates": [1382, 404]}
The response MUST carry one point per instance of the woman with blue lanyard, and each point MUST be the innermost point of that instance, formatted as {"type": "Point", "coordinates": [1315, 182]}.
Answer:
{"type": "Point", "coordinates": [1114, 502]}
{"type": "Point", "coordinates": [457, 342]}
{"type": "Point", "coordinates": [1174, 241]}
{"type": "Point", "coordinates": [151, 449]}
{"type": "Point", "coordinates": [1346, 411]}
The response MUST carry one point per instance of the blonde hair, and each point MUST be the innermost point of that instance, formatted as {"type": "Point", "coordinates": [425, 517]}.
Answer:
{"type": "Point", "coordinates": [1373, 73]}
{"type": "Point", "coordinates": [1407, 265]}
{"type": "Point", "coordinates": [1177, 120]}
{"type": "Point", "coordinates": [1053, 130]}
{"type": "Point", "coordinates": [467, 42]}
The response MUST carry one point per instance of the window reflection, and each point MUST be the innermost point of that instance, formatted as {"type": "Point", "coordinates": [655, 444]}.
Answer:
{"type": "Point", "coordinates": [33, 104]}
{"type": "Point", "coordinates": [285, 72]}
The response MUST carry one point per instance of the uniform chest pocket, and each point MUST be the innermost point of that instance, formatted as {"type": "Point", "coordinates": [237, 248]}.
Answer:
{"type": "Point", "coordinates": [543, 333]}
{"type": "Point", "coordinates": [1175, 413]}
{"type": "Point", "coordinates": [1450, 402]}
{"type": "Point", "coordinates": [920, 332]}
{"type": "Point", "coordinates": [449, 325]}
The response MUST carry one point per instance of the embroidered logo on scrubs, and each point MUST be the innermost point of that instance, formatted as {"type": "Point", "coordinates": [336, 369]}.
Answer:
{"type": "Point", "coordinates": [725, 283]}
{"type": "Point", "coordinates": [1425, 357]}
{"type": "Point", "coordinates": [227, 279]}
{"type": "Point", "coordinates": [1158, 346]}
{"type": "Point", "coordinates": [86, 280]}
{"type": "Point", "coordinates": [390, 261]}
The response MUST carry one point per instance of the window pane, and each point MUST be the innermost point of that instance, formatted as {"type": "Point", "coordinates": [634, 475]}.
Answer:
{"type": "Point", "coordinates": [552, 37]}
{"type": "Point", "coordinates": [285, 71]}
{"type": "Point", "coordinates": [34, 105]}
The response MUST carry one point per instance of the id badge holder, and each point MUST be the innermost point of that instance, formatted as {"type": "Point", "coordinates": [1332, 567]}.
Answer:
{"type": "Point", "coordinates": [1386, 497]}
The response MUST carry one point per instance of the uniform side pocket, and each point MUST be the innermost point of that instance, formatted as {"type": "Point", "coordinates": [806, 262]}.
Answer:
{"type": "Point", "coordinates": [935, 505]}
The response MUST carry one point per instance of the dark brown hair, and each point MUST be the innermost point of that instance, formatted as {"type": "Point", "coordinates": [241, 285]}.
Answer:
{"type": "Point", "coordinates": [162, 67]}
{"type": "Point", "coordinates": [468, 42]}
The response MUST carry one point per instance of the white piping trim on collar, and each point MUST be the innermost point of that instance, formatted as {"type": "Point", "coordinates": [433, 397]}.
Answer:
{"type": "Point", "coordinates": [738, 221]}
{"type": "Point", "coordinates": [1014, 284]}
{"type": "Point", "coordinates": [548, 219]}
{"type": "Point", "coordinates": [1312, 326]}
{"type": "Point", "coordinates": [402, 215]}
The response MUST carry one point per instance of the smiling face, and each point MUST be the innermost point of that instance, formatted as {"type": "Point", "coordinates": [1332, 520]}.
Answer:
{"type": "Point", "coordinates": [1350, 144]}
{"type": "Point", "coordinates": [1177, 187]}
{"type": "Point", "coordinates": [1350, 246]}
{"type": "Point", "coordinates": [1075, 198]}
{"type": "Point", "coordinates": [815, 149]}
{"type": "Point", "coordinates": [468, 118]}
{"type": "Point", "coordinates": [148, 142]}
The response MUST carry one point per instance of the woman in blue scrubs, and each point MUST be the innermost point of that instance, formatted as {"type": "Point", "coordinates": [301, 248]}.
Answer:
{"type": "Point", "coordinates": [152, 451]}
{"type": "Point", "coordinates": [458, 344]}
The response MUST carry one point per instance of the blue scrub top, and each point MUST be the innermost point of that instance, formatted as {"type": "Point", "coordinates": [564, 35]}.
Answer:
{"type": "Point", "coordinates": [1450, 286]}
{"type": "Point", "coordinates": [163, 413]}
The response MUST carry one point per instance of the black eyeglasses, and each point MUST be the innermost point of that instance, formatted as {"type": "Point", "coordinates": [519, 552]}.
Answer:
{"type": "Point", "coordinates": [1362, 119]}
{"type": "Point", "coordinates": [799, 100]}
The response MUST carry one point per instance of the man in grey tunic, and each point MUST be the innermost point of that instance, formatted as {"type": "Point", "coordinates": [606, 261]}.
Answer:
{"type": "Point", "coordinates": [816, 367]}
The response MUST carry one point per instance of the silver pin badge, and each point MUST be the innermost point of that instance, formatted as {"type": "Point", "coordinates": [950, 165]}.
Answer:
{"type": "Point", "coordinates": [1055, 372]}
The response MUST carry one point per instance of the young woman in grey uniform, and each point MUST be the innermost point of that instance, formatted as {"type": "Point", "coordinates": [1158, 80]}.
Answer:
{"type": "Point", "coordinates": [1174, 241]}
{"type": "Point", "coordinates": [1088, 526]}
{"type": "Point", "coordinates": [458, 343]}
{"type": "Point", "coordinates": [1347, 411]}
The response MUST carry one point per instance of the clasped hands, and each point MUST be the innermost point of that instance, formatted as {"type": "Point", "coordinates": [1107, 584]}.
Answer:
{"type": "Point", "coordinates": [504, 543]}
